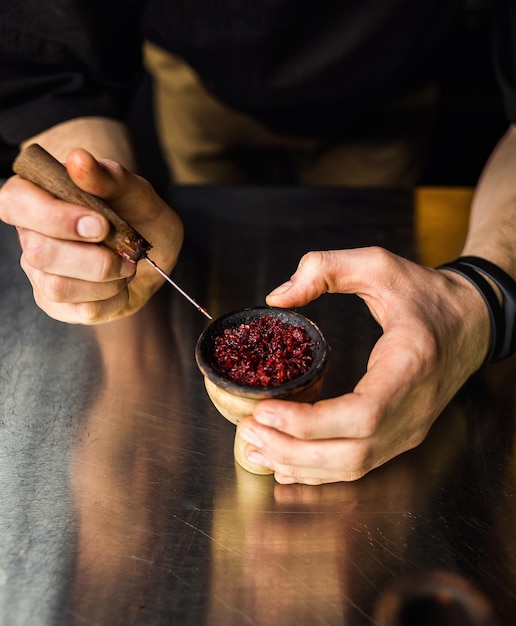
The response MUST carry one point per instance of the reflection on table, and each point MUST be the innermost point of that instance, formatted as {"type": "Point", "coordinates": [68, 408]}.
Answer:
{"type": "Point", "coordinates": [122, 504]}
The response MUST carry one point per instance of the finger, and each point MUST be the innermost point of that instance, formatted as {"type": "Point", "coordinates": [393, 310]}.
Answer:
{"type": "Point", "coordinates": [89, 313]}
{"type": "Point", "coordinates": [358, 414]}
{"type": "Point", "coordinates": [59, 289]}
{"type": "Point", "coordinates": [310, 462]}
{"type": "Point", "coordinates": [322, 460]}
{"type": "Point", "coordinates": [341, 438]}
{"type": "Point", "coordinates": [135, 200]}
{"type": "Point", "coordinates": [122, 190]}
{"type": "Point", "coordinates": [25, 205]}
{"type": "Point", "coordinates": [82, 261]}
{"type": "Point", "coordinates": [350, 415]}
{"type": "Point", "coordinates": [104, 178]}
{"type": "Point", "coordinates": [308, 282]}
{"type": "Point", "coordinates": [318, 272]}
{"type": "Point", "coordinates": [361, 271]}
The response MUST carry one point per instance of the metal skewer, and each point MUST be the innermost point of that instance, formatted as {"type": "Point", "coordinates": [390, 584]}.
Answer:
{"type": "Point", "coordinates": [176, 286]}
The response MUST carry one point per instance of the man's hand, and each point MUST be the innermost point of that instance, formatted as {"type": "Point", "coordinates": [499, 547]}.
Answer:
{"type": "Point", "coordinates": [73, 280]}
{"type": "Point", "coordinates": [435, 335]}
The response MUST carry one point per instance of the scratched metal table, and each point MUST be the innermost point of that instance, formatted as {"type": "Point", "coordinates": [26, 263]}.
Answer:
{"type": "Point", "coordinates": [120, 500]}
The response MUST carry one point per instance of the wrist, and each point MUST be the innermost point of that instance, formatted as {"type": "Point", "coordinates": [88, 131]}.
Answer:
{"type": "Point", "coordinates": [502, 313]}
{"type": "Point", "coordinates": [104, 138]}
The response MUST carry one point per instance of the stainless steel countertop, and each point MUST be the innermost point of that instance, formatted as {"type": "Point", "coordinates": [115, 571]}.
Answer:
{"type": "Point", "coordinates": [120, 500]}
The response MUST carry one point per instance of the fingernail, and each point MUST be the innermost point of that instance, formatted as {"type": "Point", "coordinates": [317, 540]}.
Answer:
{"type": "Point", "coordinates": [279, 291]}
{"type": "Point", "coordinates": [258, 458]}
{"type": "Point", "coordinates": [286, 480]}
{"type": "Point", "coordinates": [251, 437]}
{"type": "Point", "coordinates": [90, 227]}
{"type": "Point", "coordinates": [127, 269]}
{"type": "Point", "coordinates": [266, 418]}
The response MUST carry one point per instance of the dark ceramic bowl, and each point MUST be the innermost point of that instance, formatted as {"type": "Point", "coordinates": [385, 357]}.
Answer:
{"type": "Point", "coordinates": [235, 401]}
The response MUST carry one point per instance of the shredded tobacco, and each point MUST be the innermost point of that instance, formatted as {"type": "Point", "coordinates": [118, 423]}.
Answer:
{"type": "Point", "coordinates": [265, 352]}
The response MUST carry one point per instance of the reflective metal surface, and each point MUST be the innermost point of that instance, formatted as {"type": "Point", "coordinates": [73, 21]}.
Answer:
{"type": "Point", "coordinates": [120, 500]}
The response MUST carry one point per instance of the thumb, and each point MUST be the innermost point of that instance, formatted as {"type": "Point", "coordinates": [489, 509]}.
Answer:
{"type": "Point", "coordinates": [317, 273]}
{"type": "Point", "coordinates": [100, 178]}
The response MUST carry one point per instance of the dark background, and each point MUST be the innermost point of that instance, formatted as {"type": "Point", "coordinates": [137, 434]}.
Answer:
{"type": "Point", "coordinates": [469, 120]}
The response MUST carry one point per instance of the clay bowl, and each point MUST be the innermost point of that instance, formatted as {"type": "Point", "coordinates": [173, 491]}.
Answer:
{"type": "Point", "coordinates": [234, 400]}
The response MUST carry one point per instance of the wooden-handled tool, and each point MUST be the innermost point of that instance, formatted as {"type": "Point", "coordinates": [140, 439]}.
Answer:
{"type": "Point", "coordinates": [36, 165]}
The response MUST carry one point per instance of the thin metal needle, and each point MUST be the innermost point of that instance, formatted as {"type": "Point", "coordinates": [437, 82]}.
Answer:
{"type": "Point", "coordinates": [176, 286]}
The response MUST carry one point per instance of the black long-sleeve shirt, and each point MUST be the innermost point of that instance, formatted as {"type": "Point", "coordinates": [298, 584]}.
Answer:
{"type": "Point", "coordinates": [300, 66]}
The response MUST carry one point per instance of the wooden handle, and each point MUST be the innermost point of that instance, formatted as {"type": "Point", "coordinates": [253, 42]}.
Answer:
{"type": "Point", "coordinates": [36, 165]}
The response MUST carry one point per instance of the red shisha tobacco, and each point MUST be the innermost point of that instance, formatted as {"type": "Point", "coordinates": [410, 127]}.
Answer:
{"type": "Point", "coordinates": [265, 352]}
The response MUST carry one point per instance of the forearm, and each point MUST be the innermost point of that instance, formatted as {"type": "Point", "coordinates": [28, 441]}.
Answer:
{"type": "Point", "coordinates": [492, 230]}
{"type": "Point", "coordinates": [489, 253]}
{"type": "Point", "coordinates": [104, 138]}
